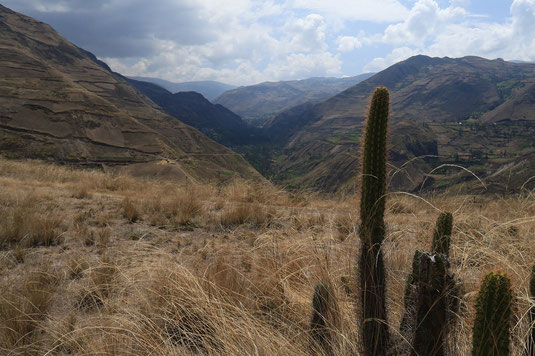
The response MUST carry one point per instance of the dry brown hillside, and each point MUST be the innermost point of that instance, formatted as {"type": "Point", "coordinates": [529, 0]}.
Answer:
{"type": "Point", "coordinates": [57, 103]}
{"type": "Point", "coordinates": [95, 263]}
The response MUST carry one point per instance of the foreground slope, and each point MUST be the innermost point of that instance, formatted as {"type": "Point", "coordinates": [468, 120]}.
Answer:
{"type": "Point", "coordinates": [98, 264]}
{"type": "Point", "coordinates": [468, 111]}
{"type": "Point", "coordinates": [258, 103]}
{"type": "Point", "coordinates": [57, 103]}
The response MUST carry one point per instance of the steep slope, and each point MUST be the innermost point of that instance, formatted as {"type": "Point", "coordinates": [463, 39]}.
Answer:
{"type": "Point", "coordinates": [258, 103]}
{"type": "Point", "coordinates": [214, 120]}
{"type": "Point", "coordinates": [437, 108]}
{"type": "Point", "coordinates": [209, 89]}
{"type": "Point", "coordinates": [57, 103]}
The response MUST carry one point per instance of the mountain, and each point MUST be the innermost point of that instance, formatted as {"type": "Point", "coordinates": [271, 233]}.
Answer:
{"type": "Point", "coordinates": [209, 89]}
{"type": "Point", "coordinates": [58, 102]}
{"type": "Point", "coordinates": [469, 112]}
{"type": "Point", "coordinates": [214, 120]}
{"type": "Point", "coordinates": [258, 103]}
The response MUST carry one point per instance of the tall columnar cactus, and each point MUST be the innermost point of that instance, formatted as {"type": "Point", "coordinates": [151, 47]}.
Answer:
{"type": "Point", "coordinates": [375, 336]}
{"type": "Point", "coordinates": [493, 316]}
{"type": "Point", "coordinates": [530, 342]}
{"type": "Point", "coordinates": [442, 233]}
{"type": "Point", "coordinates": [324, 319]}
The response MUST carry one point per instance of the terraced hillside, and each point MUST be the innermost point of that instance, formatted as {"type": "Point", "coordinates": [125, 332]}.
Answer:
{"type": "Point", "coordinates": [57, 103]}
{"type": "Point", "coordinates": [469, 112]}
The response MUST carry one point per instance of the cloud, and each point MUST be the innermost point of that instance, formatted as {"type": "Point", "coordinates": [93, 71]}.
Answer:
{"type": "Point", "coordinates": [307, 34]}
{"type": "Point", "coordinates": [240, 41]}
{"type": "Point", "coordinates": [425, 19]}
{"type": "Point", "coordinates": [355, 10]}
{"type": "Point", "coordinates": [247, 41]}
{"type": "Point", "coordinates": [453, 32]}
{"type": "Point", "coordinates": [348, 43]}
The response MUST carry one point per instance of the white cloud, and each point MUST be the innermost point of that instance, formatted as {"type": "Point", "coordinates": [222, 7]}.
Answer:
{"type": "Point", "coordinates": [307, 34]}
{"type": "Point", "coordinates": [425, 19]}
{"type": "Point", "coordinates": [453, 32]}
{"type": "Point", "coordinates": [361, 10]}
{"type": "Point", "coordinates": [348, 43]}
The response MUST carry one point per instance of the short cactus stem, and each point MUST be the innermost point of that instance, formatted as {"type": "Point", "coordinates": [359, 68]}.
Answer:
{"type": "Point", "coordinates": [442, 233]}
{"type": "Point", "coordinates": [493, 317]}
{"type": "Point", "coordinates": [324, 319]}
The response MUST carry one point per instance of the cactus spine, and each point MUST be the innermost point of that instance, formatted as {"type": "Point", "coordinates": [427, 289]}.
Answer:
{"type": "Point", "coordinates": [375, 336]}
{"type": "Point", "coordinates": [530, 342]}
{"type": "Point", "coordinates": [324, 319]}
{"type": "Point", "coordinates": [493, 315]}
{"type": "Point", "coordinates": [442, 234]}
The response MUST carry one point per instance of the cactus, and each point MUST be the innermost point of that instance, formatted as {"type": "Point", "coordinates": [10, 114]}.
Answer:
{"type": "Point", "coordinates": [442, 234]}
{"type": "Point", "coordinates": [409, 302]}
{"type": "Point", "coordinates": [375, 336]}
{"type": "Point", "coordinates": [530, 342]}
{"type": "Point", "coordinates": [425, 321]}
{"type": "Point", "coordinates": [432, 283]}
{"type": "Point", "coordinates": [324, 319]}
{"type": "Point", "coordinates": [493, 316]}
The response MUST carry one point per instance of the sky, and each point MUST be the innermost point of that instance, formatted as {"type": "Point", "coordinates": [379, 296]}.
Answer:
{"type": "Point", "coordinates": [243, 42]}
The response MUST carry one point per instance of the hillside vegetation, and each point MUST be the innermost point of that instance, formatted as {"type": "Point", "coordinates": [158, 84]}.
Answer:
{"type": "Point", "coordinates": [469, 112]}
{"type": "Point", "coordinates": [103, 264]}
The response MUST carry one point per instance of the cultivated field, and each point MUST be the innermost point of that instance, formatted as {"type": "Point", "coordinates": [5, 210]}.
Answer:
{"type": "Point", "coordinates": [99, 264]}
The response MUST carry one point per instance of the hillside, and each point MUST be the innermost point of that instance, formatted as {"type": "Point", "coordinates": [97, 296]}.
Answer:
{"type": "Point", "coordinates": [209, 89]}
{"type": "Point", "coordinates": [213, 120]}
{"type": "Point", "coordinates": [258, 103]}
{"type": "Point", "coordinates": [57, 103]}
{"type": "Point", "coordinates": [470, 111]}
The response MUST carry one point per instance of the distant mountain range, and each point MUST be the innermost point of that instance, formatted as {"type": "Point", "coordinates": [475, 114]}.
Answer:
{"type": "Point", "coordinates": [214, 120]}
{"type": "Point", "coordinates": [258, 103]}
{"type": "Point", "coordinates": [58, 102]}
{"type": "Point", "coordinates": [469, 112]}
{"type": "Point", "coordinates": [209, 89]}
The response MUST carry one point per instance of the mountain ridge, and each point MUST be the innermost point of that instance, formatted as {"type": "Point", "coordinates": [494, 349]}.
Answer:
{"type": "Point", "coordinates": [192, 108]}
{"type": "Point", "coordinates": [258, 103]}
{"type": "Point", "coordinates": [208, 88]}
{"type": "Point", "coordinates": [437, 105]}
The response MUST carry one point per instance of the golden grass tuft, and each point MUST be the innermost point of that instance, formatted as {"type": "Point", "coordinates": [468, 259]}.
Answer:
{"type": "Point", "coordinates": [130, 210]}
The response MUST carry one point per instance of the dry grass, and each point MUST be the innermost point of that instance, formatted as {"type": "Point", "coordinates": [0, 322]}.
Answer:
{"type": "Point", "coordinates": [219, 271]}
